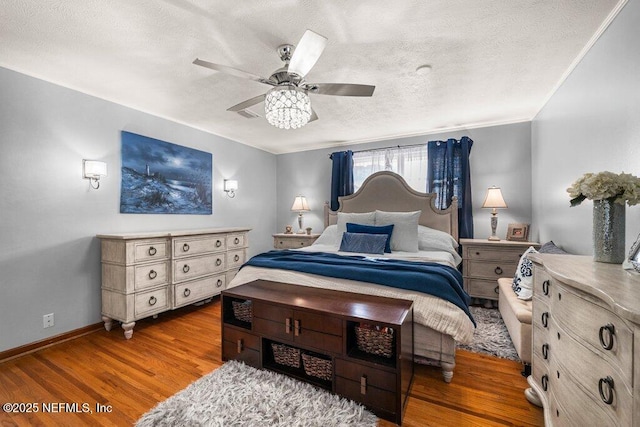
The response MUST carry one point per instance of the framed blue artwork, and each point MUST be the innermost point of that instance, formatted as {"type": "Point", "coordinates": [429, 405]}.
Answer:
{"type": "Point", "coordinates": [163, 178]}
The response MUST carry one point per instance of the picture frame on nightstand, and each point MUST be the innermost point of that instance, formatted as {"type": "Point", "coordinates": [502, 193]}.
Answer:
{"type": "Point", "coordinates": [518, 232]}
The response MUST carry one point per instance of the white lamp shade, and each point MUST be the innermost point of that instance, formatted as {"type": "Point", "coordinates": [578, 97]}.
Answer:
{"type": "Point", "coordinates": [494, 198]}
{"type": "Point", "coordinates": [94, 169]}
{"type": "Point", "coordinates": [230, 185]}
{"type": "Point", "coordinates": [300, 204]}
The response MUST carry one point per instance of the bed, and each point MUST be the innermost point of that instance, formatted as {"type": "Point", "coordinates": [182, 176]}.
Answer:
{"type": "Point", "coordinates": [438, 323]}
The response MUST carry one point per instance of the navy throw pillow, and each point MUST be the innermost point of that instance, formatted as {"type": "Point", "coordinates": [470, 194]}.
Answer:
{"type": "Point", "coordinates": [373, 229]}
{"type": "Point", "coordinates": [363, 243]}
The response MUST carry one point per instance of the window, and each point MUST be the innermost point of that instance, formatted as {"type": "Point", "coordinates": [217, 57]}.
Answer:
{"type": "Point", "coordinates": [409, 162]}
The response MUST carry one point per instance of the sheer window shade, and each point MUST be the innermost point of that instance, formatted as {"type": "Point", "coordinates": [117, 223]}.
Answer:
{"type": "Point", "coordinates": [409, 162]}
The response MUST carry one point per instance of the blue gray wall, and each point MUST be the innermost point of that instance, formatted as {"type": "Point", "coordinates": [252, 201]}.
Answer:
{"type": "Point", "coordinates": [591, 124]}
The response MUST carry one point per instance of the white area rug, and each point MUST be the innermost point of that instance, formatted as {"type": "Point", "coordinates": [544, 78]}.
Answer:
{"type": "Point", "coordinates": [238, 395]}
{"type": "Point", "coordinates": [491, 335]}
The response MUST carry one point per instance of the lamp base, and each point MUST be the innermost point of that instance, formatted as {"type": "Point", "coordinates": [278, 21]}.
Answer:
{"type": "Point", "coordinates": [494, 238]}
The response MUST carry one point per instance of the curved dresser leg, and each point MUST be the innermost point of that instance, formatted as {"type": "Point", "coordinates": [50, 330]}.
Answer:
{"type": "Point", "coordinates": [108, 322]}
{"type": "Point", "coordinates": [128, 329]}
{"type": "Point", "coordinates": [533, 397]}
{"type": "Point", "coordinates": [447, 371]}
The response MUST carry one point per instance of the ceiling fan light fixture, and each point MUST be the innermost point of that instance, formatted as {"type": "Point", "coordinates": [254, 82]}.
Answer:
{"type": "Point", "coordinates": [287, 107]}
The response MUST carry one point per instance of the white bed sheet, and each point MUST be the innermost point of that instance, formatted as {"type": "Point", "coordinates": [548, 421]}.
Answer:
{"type": "Point", "coordinates": [430, 311]}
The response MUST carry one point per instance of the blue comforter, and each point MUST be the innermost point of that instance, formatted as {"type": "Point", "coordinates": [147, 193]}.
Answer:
{"type": "Point", "coordinates": [438, 280]}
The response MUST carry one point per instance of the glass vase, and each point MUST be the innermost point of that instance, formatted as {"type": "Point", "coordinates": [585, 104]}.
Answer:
{"type": "Point", "coordinates": [608, 231]}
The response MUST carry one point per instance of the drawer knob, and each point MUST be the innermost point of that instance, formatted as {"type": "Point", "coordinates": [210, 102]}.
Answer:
{"type": "Point", "coordinates": [152, 251]}
{"type": "Point", "coordinates": [606, 384]}
{"type": "Point", "coordinates": [153, 300]}
{"type": "Point", "coordinates": [219, 283]}
{"type": "Point", "coordinates": [186, 292]}
{"type": "Point", "coordinates": [607, 342]}
{"type": "Point", "coordinates": [153, 274]}
{"type": "Point", "coordinates": [236, 258]}
{"type": "Point", "coordinates": [185, 247]}
{"type": "Point", "coordinates": [478, 253]}
{"type": "Point", "coordinates": [498, 270]}
{"type": "Point", "coordinates": [218, 262]}
{"type": "Point", "coordinates": [236, 241]}
{"type": "Point", "coordinates": [545, 287]}
{"type": "Point", "coordinates": [545, 382]}
{"type": "Point", "coordinates": [545, 319]}
{"type": "Point", "coordinates": [218, 243]}
{"type": "Point", "coordinates": [545, 351]}
{"type": "Point", "coordinates": [185, 268]}
{"type": "Point", "coordinates": [363, 384]}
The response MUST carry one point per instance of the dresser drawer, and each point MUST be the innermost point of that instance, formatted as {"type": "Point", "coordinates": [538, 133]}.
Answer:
{"type": "Point", "coordinates": [191, 268]}
{"type": "Point", "coordinates": [247, 355]}
{"type": "Point", "coordinates": [540, 373]}
{"type": "Point", "coordinates": [495, 253]}
{"type": "Point", "coordinates": [127, 252]}
{"type": "Point", "coordinates": [197, 290]}
{"type": "Point", "coordinates": [588, 323]}
{"type": "Point", "coordinates": [150, 275]}
{"type": "Point", "coordinates": [150, 250]}
{"type": "Point", "coordinates": [236, 258]}
{"type": "Point", "coordinates": [372, 397]}
{"type": "Point", "coordinates": [236, 240]}
{"type": "Point", "coordinates": [491, 269]}
{"type": "Point", "coordinates": [375, 377]}
{"type": "Point", "coordinates": [542, 284]}
{"type": "Point", "coordinates": [540, 314]}
{"type": "Point", "coordinates": [196, 245]}
{"type": "Point", "coordinates": [481, 288]}
{"type": "Point", "coordinates": [151, 302]}
{"type": "Point", "coordinates": [543, 345]}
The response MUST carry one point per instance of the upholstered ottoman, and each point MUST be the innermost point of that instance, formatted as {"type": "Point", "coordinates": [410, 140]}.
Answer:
{"type": "Point", "coordinates": [516, 314]}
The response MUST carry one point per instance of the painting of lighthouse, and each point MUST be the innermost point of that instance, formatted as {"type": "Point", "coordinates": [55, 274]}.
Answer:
{"type": "Point", "coordinates": [159, 177]}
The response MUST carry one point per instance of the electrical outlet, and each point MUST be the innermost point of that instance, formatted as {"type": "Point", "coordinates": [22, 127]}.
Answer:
{"type": "Point", "coordinates": [47, 320]}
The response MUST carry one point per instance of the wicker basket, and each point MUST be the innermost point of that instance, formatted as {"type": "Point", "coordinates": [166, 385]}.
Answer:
{"type": "Point", "coordinates": [285, 355]}
{"type": "Point", "coordinates": [317, 367]}
{"type": "Point", "coordinates": [374, 341]}
{"type": "Point", "coordinates": [242, 310]}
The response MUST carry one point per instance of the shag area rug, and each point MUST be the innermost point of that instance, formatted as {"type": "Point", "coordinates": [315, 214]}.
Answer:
{"type": "Point", "coordinates": [491, 335]}
{"type": "Point", "coordinates": [238, 395]}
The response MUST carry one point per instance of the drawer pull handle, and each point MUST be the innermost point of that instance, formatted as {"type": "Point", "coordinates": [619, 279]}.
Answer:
{"type": "Point", "coordinates": [185, 268]}
{"type": "Point", "coordinates": [219, 283]}
{"type": "Point", "coordinates": [363, 384]}
{"type": "Point", "coordinates": [545, 382]}
{"type": "Point", "coordinates": [218, 243]}
{"type": "Point", "coordinates": [545, 319]}
{"type": "Point", "coordinates": [218, 262]}
{"type": "Point", "coordinates": [153, 274]}
{"type": "Point", "coordinates": [545, 351]}
{"type": "Point", "coordinates": [611, 331]}
{"type": "Point", "coordinates": [287, 325]}
{"type": "Point", "coordinates": [186, 292]}
{"type": "Point", "coordinates": [185, 248]}
{"type": "Point", "coordinates": [236, 241]}
{"type": "Point", "coordinates": [153, 300]}
{"type": "Point", "coordinates": [496, 289]}
{"type": "Point", "coordinates": [608, 396]}
{"type": "Point", "coordinates": [498, 270]}
{"type": "Point", "coordinates": [296, 327]}
{"type": "Point", "coordinates": [152, 251]}
{"type": "Point", "coordinates": [545, 287]}
{"type": "Point", "coordinates": [236, 258]}
{"type": "Point", "coordinates": [240, 345]}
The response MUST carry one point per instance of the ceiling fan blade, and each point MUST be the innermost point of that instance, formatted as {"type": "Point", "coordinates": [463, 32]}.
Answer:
{"type": "Point", "coordinates": [248, 103]}
{"type": "Point", "coordinates": [314, 116]}
{"type": "Point", "coordinates": [340, 89]}
{"type": "Point", "coordinates": [306, 53]}
{"type": "Point", "coordinates": [233, 71]}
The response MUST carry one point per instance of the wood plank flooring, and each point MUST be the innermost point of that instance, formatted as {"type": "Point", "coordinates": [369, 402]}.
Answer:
{"type": "Point", "coordinates": [128, 377]}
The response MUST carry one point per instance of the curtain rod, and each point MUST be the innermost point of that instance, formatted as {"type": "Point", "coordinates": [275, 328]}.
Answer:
{"type": "Point", "coordinates": [386, 148]}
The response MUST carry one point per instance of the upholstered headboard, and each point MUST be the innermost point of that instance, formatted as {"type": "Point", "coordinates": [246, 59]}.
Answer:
{"type": "Point", "coordinates": [388, 191]}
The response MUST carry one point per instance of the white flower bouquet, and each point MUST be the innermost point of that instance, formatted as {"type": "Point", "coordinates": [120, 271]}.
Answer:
{"type": "Point", "coordinates": [619, 188]}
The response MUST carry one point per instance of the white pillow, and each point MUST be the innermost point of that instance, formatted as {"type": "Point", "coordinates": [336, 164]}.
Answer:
{"type": "Point", "coordinates": [430, 239]}
{"type": "Point", "coordinates": [405, 229]}
{"type": "Point", "coordinates": [366, 218]}
{"type": "Point", "coordinates": [523, 279]}
{"type": "Point", "coordinates": [328, 237]}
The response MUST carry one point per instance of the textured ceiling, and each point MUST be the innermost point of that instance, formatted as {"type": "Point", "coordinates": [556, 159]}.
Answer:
{"type": "Point", "coordinates": [493, 62]}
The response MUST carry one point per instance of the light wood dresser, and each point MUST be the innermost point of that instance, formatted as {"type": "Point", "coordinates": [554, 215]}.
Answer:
{"type": "Point", "coordinates": [144, 274]}
{"type": "Point", "coordinates": [586, 342]}
{"type": "Point", "coordinates": [485, 261]}
{"type": "Point", "coordinates": [293, 241]}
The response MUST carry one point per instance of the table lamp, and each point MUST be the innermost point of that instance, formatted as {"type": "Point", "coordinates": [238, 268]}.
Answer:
{"type": "Point", "coordinates": [494, 200]}
{"type": "Point", "coordinates": [300, 205]}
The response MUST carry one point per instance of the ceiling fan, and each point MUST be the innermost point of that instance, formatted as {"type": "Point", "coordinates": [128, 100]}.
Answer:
{"type": "Point", "coordinates": [287, 104]}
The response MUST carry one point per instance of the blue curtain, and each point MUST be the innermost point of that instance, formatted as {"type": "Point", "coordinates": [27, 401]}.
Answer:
{"type": "Point", "coordinates": [341, 176]}
{"type": "Point", "coordinates": [448, 175]}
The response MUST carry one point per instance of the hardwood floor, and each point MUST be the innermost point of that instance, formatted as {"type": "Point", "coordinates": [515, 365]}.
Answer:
{"type": "Point", "coordinates": [125, 378]}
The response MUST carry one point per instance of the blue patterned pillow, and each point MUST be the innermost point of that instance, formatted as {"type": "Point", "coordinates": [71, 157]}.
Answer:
{"type": "Point", "coordinates": [363, 243]}
{"type": "Point", "coordinates": [523, 279]}
{"type": "Point", "coordinates": [372, 229]}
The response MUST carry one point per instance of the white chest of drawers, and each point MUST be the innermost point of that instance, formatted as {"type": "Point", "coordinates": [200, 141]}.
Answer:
{"type": "Point", "coordinates": [146, 274]}
{"type": "Point", "coordinates": [586, 342]}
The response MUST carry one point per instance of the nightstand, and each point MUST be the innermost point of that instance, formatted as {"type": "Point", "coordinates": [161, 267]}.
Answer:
{"type": "Point", "coordinates": [485, 261]}
{"type": "Point", "coordinates": [293, 241]}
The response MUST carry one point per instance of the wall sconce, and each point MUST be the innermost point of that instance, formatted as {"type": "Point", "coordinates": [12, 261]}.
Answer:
{"type": "Point", "coordinates": [300, 205]}
{"type": "Point", "coordinates": [494, 200]}
{"type": "Point", "coordinates": [93, 170]}
{"type": "Point", "coordinates": [230, 187]}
